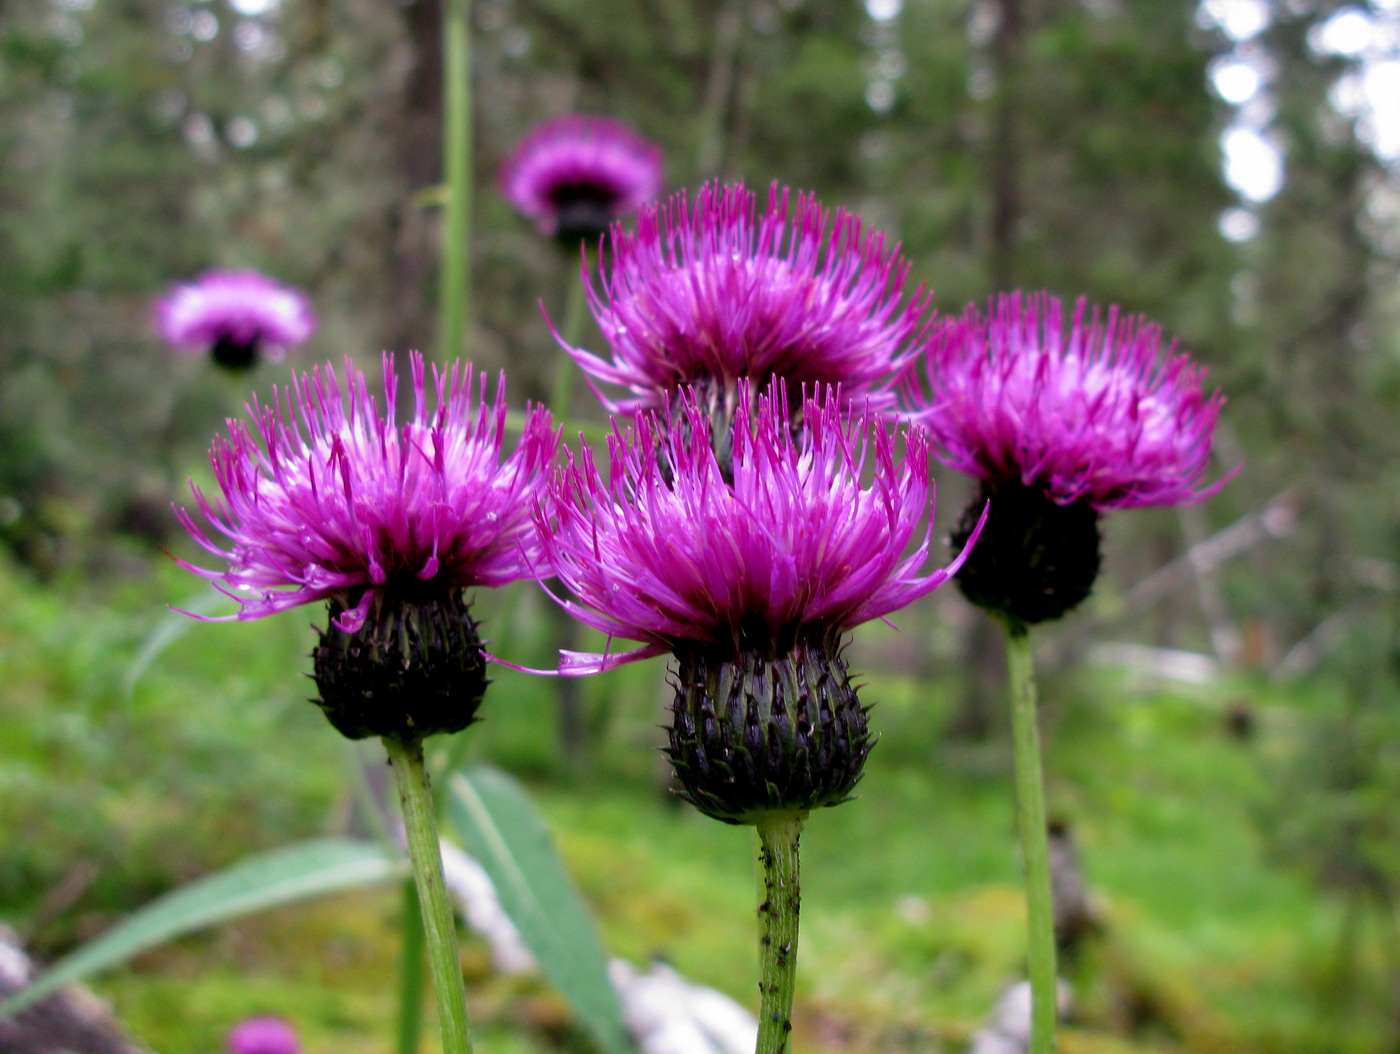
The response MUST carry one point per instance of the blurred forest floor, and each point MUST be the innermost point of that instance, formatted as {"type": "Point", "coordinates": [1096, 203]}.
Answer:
{"type": "Point", "coordinates": [126, 778]}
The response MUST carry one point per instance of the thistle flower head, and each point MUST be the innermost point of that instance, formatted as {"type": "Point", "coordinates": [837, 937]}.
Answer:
{"type": "Point", "coordinates": [1060, 423]}
{"type": "Point", "coordinates": [1090, 411]}
{"type": "Point", "coordinates": [263, 1035]}
{"type": "Point", "coordinates": [717, 293]}
{"type": "Point", "coordinates": [236, 316]}
{"type": "Point", "coordinates": [325, 497]}
{"type": "Point", "coordinates": [792, 542]}
{"type": "Point", "coordinates": [750, 573]}
{"type": "Point", "coordinates": [575, 175]}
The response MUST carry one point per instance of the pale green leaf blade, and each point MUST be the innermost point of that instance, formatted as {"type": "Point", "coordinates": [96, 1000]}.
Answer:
{"type": "Point", "coordinates": [170, 628]}
{"type": "Point", "coordinates": [500, 826]}
{"type": "Point", "coordinates": [268, 880]}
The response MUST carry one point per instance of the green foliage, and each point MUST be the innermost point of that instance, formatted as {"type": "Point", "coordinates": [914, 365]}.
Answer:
{"type": "Point", "coordinates": [497, 823]}
{"type": "Point", "coordinates": [258, 883]}
{"type": "Point", "coordinates": [913, 918]}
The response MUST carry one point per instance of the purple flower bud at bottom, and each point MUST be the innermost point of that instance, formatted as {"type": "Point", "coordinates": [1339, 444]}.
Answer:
{"type": "Point", "coordinates": [263, 1035]}
{"type": "Point", "coordinates": [1036, 559]}
{"type": "Point", "coordinates": [412, 670]}
{"type": "Point", "coordinates": [754, 735]}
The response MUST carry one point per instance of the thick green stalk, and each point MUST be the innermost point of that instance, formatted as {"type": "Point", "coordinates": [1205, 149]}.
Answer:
{"type": "Point", "coordinates": [439, 923]}
{"type": "Point", "coordinates": [454, 290]}
{"type": "Point", "coordinates": [1030, 810]}
{"type": "Point", "coordinates": [778, 911]}
{"type": "Point", "coordinates": [411, 973]}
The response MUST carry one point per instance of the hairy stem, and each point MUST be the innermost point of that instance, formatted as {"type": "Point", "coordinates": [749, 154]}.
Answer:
{"type": "Point", "coordinates": [439, 923]}
{"type": "Point", "coordinates": [778, 911]}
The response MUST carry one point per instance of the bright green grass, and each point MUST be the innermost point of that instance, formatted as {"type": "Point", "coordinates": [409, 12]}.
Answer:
{"type": "Point", "coordinates": [113, 789]}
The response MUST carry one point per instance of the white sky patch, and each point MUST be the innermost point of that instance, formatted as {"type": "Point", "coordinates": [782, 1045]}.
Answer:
{"type": "Point", "coordinates": [204, 26]}
{"type": "Point", "coordinates": [1253, 164]}
{"type": "Point", "coordinates": [1348, 95]}
{"type": "Point", "coordinates": [1367, 92]}
{"type": "Point", "coordinates": [1370, 91]}
{"type": "Point", "coordinates": [1237, 19]}
{"type": "Point", "coordinates": [1238, 224]}
{"type": "Point", "coordinates": [1382, 125]}
{"type": "Point", "coordinates": [1235, 80]}
{"type": "Point", "coordinates": [883, 10]}
{"type": "Point", "coordinates": [1349, 32]}
{"type": "Point", "coordinates": [879, 96]}
{"type": "Point", "coordinates": [253, 8]}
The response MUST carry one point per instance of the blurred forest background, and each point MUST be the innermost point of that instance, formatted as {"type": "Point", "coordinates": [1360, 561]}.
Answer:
{"type": "Point", "coordinates": [1224, 714]}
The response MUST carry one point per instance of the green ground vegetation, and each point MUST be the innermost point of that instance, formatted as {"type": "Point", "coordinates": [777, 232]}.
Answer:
{"type": "Point", "coordinates": [123, 774]}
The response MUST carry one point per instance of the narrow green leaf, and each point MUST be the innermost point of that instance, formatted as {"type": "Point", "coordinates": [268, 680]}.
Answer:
{"type": "Point", "coordinates": [268, 880]}
{"type": "Point", "coordinates": [499, 825]}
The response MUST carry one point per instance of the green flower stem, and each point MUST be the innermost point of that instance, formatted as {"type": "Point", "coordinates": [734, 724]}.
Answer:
{"type": "Point", "coordinates": [439, 924]}
{"type": "Point", "coordinates": [454, 290]}
{"type": "Point", "coordinates": [411, 973]}
{"type": "Point", "coordinates": [1030, 810]}
{"type": "Point", "coordinates": [573, 729]}
{"type": "Point", "coordinates": [575, 310]}
{"type": "Point", "coordinates": [778, 912]}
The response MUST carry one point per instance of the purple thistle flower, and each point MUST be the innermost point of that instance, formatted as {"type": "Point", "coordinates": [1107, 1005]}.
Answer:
{"type": "Point", "coordinates": [237, 316]}
{"type": "Point", "coordinates": [749, 572]}
{"type": "Point", "coordinates": [263, 1035]}
{"type": "Point", "coordinates": [710, 295]}
{"type": "Point", "coordinates": [576, 174]}
{"type": "Point", "coordinates": [326, 498]}
{"type": "Point", "coordinates": [672, 550]}
{"type": "Point", "coordinates": [1060, 424]}
{"type": "Point", "coordinates": [1092, 412]}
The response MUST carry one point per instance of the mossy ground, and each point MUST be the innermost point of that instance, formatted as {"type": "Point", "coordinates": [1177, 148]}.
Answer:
{"type": "Point", "coordinates": [120, 778]}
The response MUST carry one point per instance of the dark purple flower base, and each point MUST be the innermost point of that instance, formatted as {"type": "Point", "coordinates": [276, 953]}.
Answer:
{"type": "Point", "coordinates": [413, 670]}
{"type": "Point", "coordinates": [1035, 559]}
{"type": "Point", "coordinates": [757, 736]}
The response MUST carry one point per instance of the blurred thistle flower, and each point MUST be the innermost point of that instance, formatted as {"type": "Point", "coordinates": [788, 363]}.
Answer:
{"type": "Point", "coordinates": [1060, 424]}
{"type": "Point", "coordinates": [263, 1035]}
{"type": "Point", "coordinates": [714, 294]}
{"type": "Point", "coordinates": [238, 317]}
{"type": "Point", "coordinates": [577, 174]}
{"type": "Point", "coordinates": [326, 498]}
{"type": "Point", "coordinates": [751, 582]}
